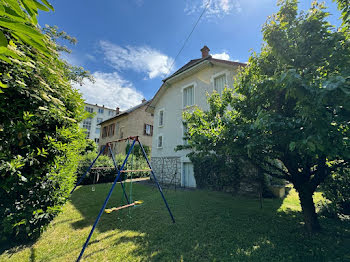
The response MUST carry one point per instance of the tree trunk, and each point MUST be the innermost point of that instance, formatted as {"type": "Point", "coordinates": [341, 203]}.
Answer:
{"type": "Point", "coordinates": [308, 207]}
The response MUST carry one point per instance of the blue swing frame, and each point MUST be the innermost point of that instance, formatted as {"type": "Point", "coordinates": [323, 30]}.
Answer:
{"type": "Point", "coordinates": [135, 139]}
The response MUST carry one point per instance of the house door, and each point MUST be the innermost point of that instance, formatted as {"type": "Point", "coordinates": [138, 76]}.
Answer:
{"type": "Point", "coordinates": [188, 179]}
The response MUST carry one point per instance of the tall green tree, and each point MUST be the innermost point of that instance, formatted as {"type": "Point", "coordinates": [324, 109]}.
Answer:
{"type": "Point", "coordinates": [18, 19]}
{"type": "Point", "coordinates": [18, 23]}
{"type": "Point", "coordinates": [344, 7]}
{"type": "Point", "coordinates": [40, 137]}
{"type": "Point", "coordinates": [289, 113]}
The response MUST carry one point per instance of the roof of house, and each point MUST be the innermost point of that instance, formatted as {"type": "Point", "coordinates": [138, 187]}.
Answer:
{"type": "Point", "coordinates": [189, 65]}
{"type": "Point", "coordinates": [194, 62]}
{"type": "Point", "coordinates": [99, 106]}
{"type": "Point", "coordinates": [128, 111]}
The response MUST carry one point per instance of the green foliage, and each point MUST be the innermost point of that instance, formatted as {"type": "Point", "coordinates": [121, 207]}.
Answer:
{"type": "Point", "coordinates": [344, 7]}
{"type": "Point", "coordinates": [337, 190]}
{"type": "Point", "coordinates": [90, 146]}
{"type": "Point", "coordinates": [18, 20]}
{"type": "Point", "coordinates": [40, 139]}
{"type": "Point", "coordinates": [108, 175]}
{"type": "Point", "coordinates": [216, 172]}
{"type": "Point", "coordinates": [137, 160]}
{"type": "Point", "coordinates": [210, 226]}
{"type": "Point", "coordinates": [87, 159]}
{"type": "Point", "coordinates": [96, 176]}
{"type": "Point", "coordinates": [290, 109]}
{"type": "Point", "coordinates": [137, 151]}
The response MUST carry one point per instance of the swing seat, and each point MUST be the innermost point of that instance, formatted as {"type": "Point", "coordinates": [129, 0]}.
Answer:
{"type": "Point", "coordinates": [136, 203]}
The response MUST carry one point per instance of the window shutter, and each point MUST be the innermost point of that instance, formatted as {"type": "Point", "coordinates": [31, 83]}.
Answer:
{"type": "Point", "coordinates": [144, 129]}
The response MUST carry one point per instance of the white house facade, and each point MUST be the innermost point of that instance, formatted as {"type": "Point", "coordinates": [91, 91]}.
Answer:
{"type": "Point", "coordinates": [186, 89]}
{"type": "Point", "coordinates": [92, 124]}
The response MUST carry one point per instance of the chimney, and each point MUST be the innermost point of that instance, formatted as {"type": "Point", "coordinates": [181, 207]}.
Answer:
{"type": "Point", "coordinates": [117, 111]}
{"type": "Point", "coordinates": [205, 51]}
{"type": "Point", "coordinates": [143, 100]}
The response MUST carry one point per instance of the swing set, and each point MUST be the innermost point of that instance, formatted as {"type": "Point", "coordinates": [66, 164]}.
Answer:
{"type": "Point", "coordinates": [129, 201]}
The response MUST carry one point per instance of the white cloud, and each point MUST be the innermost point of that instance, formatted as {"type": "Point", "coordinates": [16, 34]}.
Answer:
{"type": "Point", "coordinates": [216, 8]}
{"type": "Point", "coordinates": [110, 90]}
{"type": "Point", "coordinates": [223, 56]}
{"type": "Point", "coordinates": [140, 59]}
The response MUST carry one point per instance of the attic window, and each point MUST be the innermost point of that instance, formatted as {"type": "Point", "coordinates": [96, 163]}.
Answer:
{"type": "Point", "coordinates": [160, 141]}
{"type": "Point", "coordinates": [161, 118]}
{"type": "Point", "coordinates": [220, 83]}
{"type": "Point", "coordinates": [188, 93]}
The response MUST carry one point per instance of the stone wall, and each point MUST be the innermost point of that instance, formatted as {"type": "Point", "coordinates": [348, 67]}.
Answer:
{"type": "Point", "coordinates": [167, 169]}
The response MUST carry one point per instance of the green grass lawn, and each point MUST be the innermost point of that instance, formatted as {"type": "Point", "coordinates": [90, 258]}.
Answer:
{"type": "Point", "coordinates": [210, 226]}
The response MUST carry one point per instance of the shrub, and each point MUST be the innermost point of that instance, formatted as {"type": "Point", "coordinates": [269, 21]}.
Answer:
{"type": "Point", "coordinates": [337, 189]}
{"type": "Point", "coordinates": [137, 150]}
{"type": "Point", "coordinates": [215, 172]}
{"type": "Point", "coordinates": [99, 175]}
{"type": "Point", "coordinates": [40, 138]}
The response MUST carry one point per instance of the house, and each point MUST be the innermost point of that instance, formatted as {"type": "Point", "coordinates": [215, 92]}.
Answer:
{"type": "Point", "coordinates": [92, 124]}
{"type": "Point", "coordinates": [132, 122]}
{"type": "Point", "coordinates": [184, 90]}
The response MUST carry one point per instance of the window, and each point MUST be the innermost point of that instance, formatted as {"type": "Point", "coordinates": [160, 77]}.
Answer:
{"type": "Point", "coordinates": [87, 124]}
{"type": "Point", "coordinates": [99, 120]}
{"type": "Point", "coordinates": [101, 110]}
{"type": "Point", "coordinates": [161, 118]}
{"type": "Point", "coordinates": [110, 113]}
{"type": "Point", "coordinates": [220, 83]}
{"type": "Point", "coordinates": [110, 131]}
{"type": "Point", "coordinates": [116, 128]}
{"type": "Point", "coordinates": [89, 109]}
{"type": "Point", "coordinates": [160, 141]}
{"type": "Point", "coordinates": [188, 96]}
{"type": "Point", "coordinates": [97, 140]}
{"type": "Point", "coordinates": [104, 132]}
{"type": "Point", "coordinates": [148, 130]}
{"type": "Point", "coordinates": [97, 130]}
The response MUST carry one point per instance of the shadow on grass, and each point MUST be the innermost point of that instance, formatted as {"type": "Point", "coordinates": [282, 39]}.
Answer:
{"type": "Point", "coordinates": [32, 254]}
{"type": "Point", "coordinates": [210, 226]}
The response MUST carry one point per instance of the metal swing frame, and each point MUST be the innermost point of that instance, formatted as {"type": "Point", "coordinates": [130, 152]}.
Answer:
{"type": "Point", "coordinates": [119, 171]}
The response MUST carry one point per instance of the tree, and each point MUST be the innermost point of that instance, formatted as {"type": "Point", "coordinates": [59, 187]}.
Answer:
{"type": "Point", "coordinates": [19, 20]}
{"type": "Point", "coordinates": [344, 7]}
{"type": "Point", "coordinates": [40, 137]}
{"type": "Point", "coordinates": [289, 112]}
{"type": "Point", "coordinates": [18, 23]}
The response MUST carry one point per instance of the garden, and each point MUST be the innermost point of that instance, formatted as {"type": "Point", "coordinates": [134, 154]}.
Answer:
{"type": "Point", "coordinates": [286, 117]}
{"type": "Point", "coordinates": [210, 226]}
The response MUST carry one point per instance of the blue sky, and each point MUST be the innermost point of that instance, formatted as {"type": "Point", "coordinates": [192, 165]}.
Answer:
{"type": "Point", "coordinates": [130, 45]}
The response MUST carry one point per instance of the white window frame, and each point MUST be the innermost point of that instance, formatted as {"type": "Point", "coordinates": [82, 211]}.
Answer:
{"type": "Point", "coordinates": [87, 123]}
{"type": "Point", "coordinates": [150, 129]}
{"type": "Point", "coordinates": [160, 135]}
{"type": "Point", "coordinates": [161, 110]}
{"type": "Point", "coordinates": [88, 109]}
{"type": "Point", "coordinates": [101, 111]}
{"type": "Point", "coordinates": [194, 84]}
{"type": "Point", "coordinates": [212, 78]}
